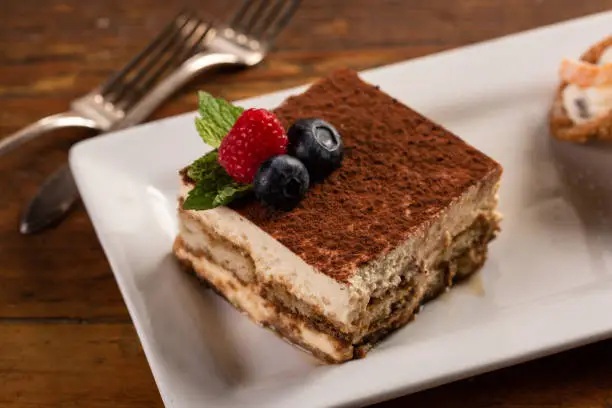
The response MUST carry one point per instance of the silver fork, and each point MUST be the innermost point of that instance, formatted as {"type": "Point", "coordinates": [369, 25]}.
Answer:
{"type": "Point", "coordinates": [244, 40]}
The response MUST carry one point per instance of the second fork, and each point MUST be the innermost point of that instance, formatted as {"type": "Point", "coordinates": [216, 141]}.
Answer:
{"type": "Point", "coordinates": [244, 41]}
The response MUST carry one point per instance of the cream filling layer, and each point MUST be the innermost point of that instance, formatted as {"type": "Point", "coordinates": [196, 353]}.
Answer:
{"type": "Point", "coordinates": [259, 309]}
{"type": "Point", "coordinates": [271, 261]}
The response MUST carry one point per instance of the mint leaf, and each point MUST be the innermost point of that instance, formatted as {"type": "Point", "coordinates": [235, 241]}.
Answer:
{"type": "Point", "coordinates": [214, 187]}
{"type": "Point", "coordinates": [204, 167]}
{"type": "Point", "coordinates": [230, 192]}
{"type": "Point", "coordinates": [199, 199]}
{"type": "Point", "coordinates": [217, 118]}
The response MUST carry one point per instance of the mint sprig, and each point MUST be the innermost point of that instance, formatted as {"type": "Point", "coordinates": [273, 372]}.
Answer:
{"type": "Point", "coordinates": [214, 191]}
{"type": "Point", "coordinates": [214, 187]}
{"type": "Point", "coordinates": [205, 167]}
{"type": "Point", "coordinates": [217, 118]}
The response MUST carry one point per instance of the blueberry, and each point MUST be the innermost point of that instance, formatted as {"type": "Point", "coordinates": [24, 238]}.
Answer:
{"type": "Point", "coordinates": [281, 182]}
{"type": "Point", "coordinates": [318, 145]}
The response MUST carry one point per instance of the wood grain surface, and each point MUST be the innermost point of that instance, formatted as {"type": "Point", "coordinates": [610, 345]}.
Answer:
{"type": "Point", "coordinates": [66, 339]}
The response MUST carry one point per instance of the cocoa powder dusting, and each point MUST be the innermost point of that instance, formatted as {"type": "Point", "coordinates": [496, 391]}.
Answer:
{"type": "Point", "coordinates": [400, 169]}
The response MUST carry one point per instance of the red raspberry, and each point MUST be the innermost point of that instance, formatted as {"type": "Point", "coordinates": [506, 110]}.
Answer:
{"type": "Point", "coordinates": [256, 136]}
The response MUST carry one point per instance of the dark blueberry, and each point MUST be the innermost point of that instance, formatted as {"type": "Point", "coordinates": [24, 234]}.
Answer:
{"type": "Point", "coordinates": [318, 145]}
{"type": "Point", "coordinates": [281, 182]}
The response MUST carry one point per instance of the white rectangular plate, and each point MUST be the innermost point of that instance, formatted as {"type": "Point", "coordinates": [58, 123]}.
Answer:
{"type": "Point", "coordinates": [547, 285]}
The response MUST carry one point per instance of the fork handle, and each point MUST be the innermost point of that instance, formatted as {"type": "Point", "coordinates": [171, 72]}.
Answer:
{"type": "Point", "coordinates": [188, 70]}
{"type": "Point", "coordinates": [60, 120]}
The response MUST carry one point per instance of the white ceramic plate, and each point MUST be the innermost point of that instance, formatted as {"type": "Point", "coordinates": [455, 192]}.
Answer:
{"type": "Point", "coordinates": [546, 287]}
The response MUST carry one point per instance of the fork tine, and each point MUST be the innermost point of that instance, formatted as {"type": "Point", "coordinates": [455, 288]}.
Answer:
{"type": "Point", "coordinates": [277, 19]}
{"type": "Point", "coordinates": [182, 50]}
{"type": "Point", "coordinates": [150, 60]}
{"type": "Point", "coordinates": [236, 19]}
{"type": "Point", "coordinates": [198, 42]}
{"type": "Point", "coordinates": [187, 46]}
{"type": "Point", "coordinates": [254, 16]}
{"type": "Point", "coordinates": [263, 18]}
{"type": "Point", "coordinates": [111, 83]}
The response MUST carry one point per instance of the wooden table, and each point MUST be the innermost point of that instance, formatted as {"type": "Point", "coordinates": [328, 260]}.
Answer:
{"type": "Point", "coordinates": [66, 339]}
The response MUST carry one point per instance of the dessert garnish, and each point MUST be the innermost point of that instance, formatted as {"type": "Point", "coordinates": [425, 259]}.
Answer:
{"type": "Point", "coordinates": [251, 155]}
{"type": "Point", "coordinates": [317, 144]}
{"type": "Point", "coordinates": [256, 136]}
{"type": "Point", "coordinates": [281, 182]}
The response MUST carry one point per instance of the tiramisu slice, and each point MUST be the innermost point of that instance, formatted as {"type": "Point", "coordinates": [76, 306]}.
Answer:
{"type": "Point", "coordinates": [409, 211]}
